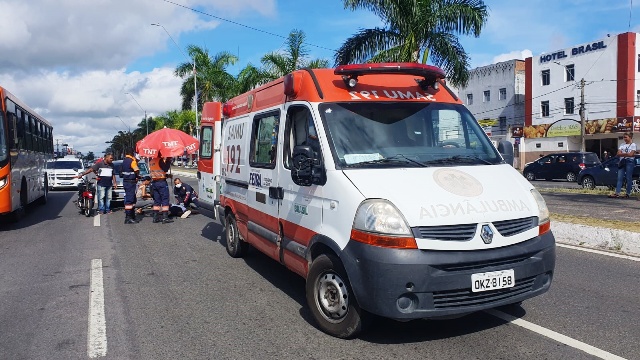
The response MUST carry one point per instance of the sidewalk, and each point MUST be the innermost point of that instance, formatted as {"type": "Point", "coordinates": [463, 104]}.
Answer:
{"type": "Point", "coordinates": [182, 172]}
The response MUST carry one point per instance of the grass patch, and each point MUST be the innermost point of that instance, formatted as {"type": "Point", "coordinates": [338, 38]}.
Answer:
{"type": "Point", "coordinates": [583, 220]}
{"type": "Point", "coordinates": [575, 191]}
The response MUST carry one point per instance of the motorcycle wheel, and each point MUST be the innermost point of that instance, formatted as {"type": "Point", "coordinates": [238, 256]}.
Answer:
{"type": "Point", "coordinates": [88, 207]}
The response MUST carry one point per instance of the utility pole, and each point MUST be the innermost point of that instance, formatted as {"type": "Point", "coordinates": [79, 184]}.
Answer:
{"type": "Point", "coordinates": [582, 120]}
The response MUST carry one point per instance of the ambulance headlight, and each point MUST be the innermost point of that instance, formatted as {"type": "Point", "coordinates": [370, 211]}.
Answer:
{"type": "Point", "coordinates": [380, 216]}
{"type": "Point", "coordinates": [543, 210]}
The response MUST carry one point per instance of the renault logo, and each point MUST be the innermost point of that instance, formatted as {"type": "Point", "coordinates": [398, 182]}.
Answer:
{"type": "Point", "coordinates": [486, 234]}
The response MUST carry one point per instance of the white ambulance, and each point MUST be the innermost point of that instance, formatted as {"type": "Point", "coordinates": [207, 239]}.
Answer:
{"type": "Point", "coordinates": [375, 184]}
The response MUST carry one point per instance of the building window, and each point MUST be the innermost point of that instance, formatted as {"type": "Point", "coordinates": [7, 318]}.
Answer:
{"type": "Point", "coordinates": [502, 120]}
{"type": "Point", "coordinates": [502, 95]}
{"type": "Point", "coordinates": [570, 73]}
{"type": "Point", "coordinates": [487, 96]}
{"type": "Point", "coordinates": [568, 105]}
{"type": "Point", "coordinates": [469, 99]}
{"type": "Point", "coordinates": [544, 108]}
{"type": "Point", "coordinates": [546, 77]}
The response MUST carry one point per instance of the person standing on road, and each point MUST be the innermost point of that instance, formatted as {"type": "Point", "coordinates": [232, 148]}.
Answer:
{"type": "Point", "coordinates": [159, 188]}
{"type": "Point", "coordinates": [106, 180]}
{"type": "Point", "coordinates": [130, 173]}
{"type": "Point", "coordinates": [626, 154]}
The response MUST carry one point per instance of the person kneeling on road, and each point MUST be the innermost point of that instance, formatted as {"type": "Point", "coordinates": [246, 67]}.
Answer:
{"type": "Point", "coordinates": [159, 167]}
{"type": "Point", "coordinates": [130, 173]}
{"type": "Point", "coordinates": [185, 194]}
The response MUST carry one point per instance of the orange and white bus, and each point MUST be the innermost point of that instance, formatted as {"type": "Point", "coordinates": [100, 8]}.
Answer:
{"type": "Point", "coordinates": [26, 145]}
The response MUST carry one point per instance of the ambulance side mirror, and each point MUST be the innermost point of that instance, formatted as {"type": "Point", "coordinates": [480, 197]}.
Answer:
{"type": "Point", "coordinates": [307, 169]}
{"type": "Point", "coordinates": [505, 148]}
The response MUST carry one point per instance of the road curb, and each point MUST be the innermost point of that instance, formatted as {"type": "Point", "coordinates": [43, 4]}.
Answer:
{"type": "Point", "coordinates": [181, 173]}
{"type": "Point", "coordinates": [624, 241]}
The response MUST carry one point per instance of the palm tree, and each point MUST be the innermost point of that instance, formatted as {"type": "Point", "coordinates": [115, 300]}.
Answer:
{"type": "Point", "coordinates": [415, 31]}
{"type": "Point", "coordinates": [213, 80]}
{"type": "Point", "coordinates": [278, 64]}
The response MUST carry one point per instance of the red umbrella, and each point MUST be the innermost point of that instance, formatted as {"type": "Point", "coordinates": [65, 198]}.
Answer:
{"type": "Point", "coordinates": [168, 142]}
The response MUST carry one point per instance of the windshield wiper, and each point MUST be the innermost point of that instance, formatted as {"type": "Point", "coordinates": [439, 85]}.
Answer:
{"type": "Point", "coordinates": [399, 158]}
{"type": "Point", "coordinates": [457, 159]}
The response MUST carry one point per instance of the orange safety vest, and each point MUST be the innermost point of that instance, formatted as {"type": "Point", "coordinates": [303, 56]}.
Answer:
{"type": "Point", "coordinates": [156, 172]}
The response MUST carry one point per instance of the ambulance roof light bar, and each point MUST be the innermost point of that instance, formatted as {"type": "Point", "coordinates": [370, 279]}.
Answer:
{"type": "Point", "coordinates": [430, 74]}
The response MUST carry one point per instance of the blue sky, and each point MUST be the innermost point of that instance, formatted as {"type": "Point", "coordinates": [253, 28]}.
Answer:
{"type": "Point", "coordinates": [75, 60]}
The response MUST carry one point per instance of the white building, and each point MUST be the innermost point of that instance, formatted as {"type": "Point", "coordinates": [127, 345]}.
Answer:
{"type": "Point", "coordinates": [495, 95]}
{"type": "Point", "coordinates": [609, 67]}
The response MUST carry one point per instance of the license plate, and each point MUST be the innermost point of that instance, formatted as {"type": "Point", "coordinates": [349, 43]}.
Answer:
{"type": "Point", "coordinates": [66, 183]}
{"type": "Point", "coordinates": [492, 280]}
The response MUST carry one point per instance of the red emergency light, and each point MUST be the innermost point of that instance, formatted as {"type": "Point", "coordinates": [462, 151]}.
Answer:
{"type": "Point", "coordinates": [227, 109]}
{"type": "Point", "coordinates": [430, 74]}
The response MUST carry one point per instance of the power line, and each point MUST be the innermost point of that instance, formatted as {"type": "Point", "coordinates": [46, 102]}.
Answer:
{"type": "Point", "coordinates": [243, 25]}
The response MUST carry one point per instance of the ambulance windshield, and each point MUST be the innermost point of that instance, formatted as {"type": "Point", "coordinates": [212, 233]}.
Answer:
{"type": "Point", "coordinates": [402, 134]}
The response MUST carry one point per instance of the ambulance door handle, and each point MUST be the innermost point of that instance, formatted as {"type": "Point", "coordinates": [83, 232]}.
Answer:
{"type": "Point", "coordinates": [276, 192]}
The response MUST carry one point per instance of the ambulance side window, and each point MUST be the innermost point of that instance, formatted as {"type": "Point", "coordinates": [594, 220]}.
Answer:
{"type": "Point", "coordinates": [300, 130]}
{"type": "Point", "coordinates": [264, 140]}
{"type": "Point", "coordinates": [206, 141]}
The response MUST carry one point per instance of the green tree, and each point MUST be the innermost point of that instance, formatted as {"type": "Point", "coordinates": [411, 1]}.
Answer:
{"type": "Point", "coordinates": [294, 57]}
{"type": "Point", "coordinates": [212, 78]}
{"type": "Point", "coordinates": [415, 31]}
{"type": "Point", "coordinates": [182, 120]}
{"type": "Point", "coordinates": [90, 156]}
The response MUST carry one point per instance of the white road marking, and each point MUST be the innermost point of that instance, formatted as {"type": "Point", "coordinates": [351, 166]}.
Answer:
{"type": "Point", "coordinates": [621, 256]}
{"type": "Point", "coordinates": [97, 337]}
{"type": "Point", "coordinates": [555, 336]}
{"type": "Point", "coordinates": [96, 220]}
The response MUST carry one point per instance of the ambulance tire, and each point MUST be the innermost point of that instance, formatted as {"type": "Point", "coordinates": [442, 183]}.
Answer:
{"type": "Point", "coordinates": [331, 300]}
{"type": "Point", "coordinates": [236, 248]}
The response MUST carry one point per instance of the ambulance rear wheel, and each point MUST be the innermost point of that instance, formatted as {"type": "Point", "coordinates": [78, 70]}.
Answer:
{"type": "Point", "coordinates": [236, 248]}
{"type": "Point", "coordinates": [331, 300]}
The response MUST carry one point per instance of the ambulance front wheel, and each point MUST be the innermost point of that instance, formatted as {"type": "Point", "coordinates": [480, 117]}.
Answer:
{"type": "Point", "coordinates": [330, 298]}
{"type": "Point", "coordinates": [235, 247]}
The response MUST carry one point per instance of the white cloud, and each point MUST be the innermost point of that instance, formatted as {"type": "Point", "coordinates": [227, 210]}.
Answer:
{"type": "Point", "coordinates": [84, 108]}
{"type": "Point", "coordinates": [519, 55]}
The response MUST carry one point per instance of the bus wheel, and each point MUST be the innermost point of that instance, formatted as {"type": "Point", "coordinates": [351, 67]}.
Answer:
{"type": "Point", "coordinates": [330, 298]}
{"type": "Point", "coordinates": [236, 248]}
{"type": "Point", "coordinates": [43, 199]}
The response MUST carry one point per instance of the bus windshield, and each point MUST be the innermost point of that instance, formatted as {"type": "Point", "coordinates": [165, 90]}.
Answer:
{"type": "Point", "coordinates": [3, 140]}
{"type": "Point", "coordinates": [404, 134]}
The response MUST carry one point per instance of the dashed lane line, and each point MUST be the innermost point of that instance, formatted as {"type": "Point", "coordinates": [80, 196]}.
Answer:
{"type": "Point", "coordinates": [97, 336]}
{"type": "Point", "coordinates": [620, 256]}
{"type": "Point", "coordinates": [96, 220]}
{"type": "Point", "coordinates": [555, 336]}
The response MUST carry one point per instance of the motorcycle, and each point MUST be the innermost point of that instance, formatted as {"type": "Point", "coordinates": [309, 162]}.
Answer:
{"type": "Point", "coordinates": [86, 197]}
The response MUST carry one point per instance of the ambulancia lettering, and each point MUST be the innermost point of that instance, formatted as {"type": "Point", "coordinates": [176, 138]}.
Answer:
{"type": "Point", "coordinates": [391, 94]}
{"type": "Point", "coordinates": [472, 207]}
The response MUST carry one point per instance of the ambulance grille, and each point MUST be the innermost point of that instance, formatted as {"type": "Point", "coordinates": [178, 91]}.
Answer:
{"type": "Point", "coordinates": [463, 232]}
{"type": "Point", "coordinates": [515, 226]}
{"type": "Point", "coordinates": [465, 297]}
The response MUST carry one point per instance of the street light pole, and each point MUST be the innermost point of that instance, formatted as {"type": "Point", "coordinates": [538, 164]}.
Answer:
{"type": "Point", "coordinates": [128, 127]}
{"type": "Point", "coordinates": [582, 109]}
{"type": "Point", "coordinates": [195, 83]}
{"type": "Point", "coordinates": [145, 111]}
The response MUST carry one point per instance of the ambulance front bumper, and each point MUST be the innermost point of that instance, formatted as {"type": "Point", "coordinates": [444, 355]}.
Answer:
{"type": "Point", "coordinates": [412, 284]}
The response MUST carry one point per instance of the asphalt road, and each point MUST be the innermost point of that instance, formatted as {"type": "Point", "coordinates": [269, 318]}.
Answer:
{"type": "Point", "coordinates": [172, 292]}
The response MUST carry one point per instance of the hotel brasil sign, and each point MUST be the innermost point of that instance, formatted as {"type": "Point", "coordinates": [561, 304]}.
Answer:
{"type": "Point", "coordinates": [582, 49]}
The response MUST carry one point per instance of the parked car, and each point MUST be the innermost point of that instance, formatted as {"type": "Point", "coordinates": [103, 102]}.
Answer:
{"type": "Point", "coordinates": [118, 193]}
{"type": "Point", "coordinates": [606, 174]}
{"type": "Point", "coordinates": [560, 166]}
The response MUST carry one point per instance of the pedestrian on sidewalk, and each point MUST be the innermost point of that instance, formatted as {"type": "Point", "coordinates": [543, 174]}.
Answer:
{"type": "Point", "coordinates": [626, 153]}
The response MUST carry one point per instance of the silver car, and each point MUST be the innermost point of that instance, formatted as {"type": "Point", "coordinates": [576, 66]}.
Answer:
{"type": "Point", "coordinates": [118, 193]}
